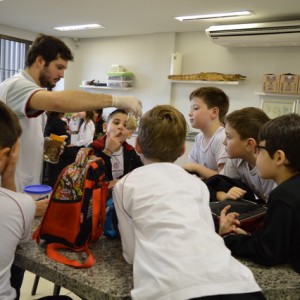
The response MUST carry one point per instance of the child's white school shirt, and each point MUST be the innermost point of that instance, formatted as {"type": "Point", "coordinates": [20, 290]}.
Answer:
{"type": "Point", "coordinates": [16, 215]}
{"type": "Point", "coordinates": [168, 234]}
{"type": "Point", "coordinates": [213, 153]}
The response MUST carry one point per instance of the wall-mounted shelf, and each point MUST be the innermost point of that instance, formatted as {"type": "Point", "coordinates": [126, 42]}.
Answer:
{"type": "Point", "coordinates": [105, 87]}
{"type": "Point", "coordinates": [206, 82]}
{"type": "Point", "coordinates": [281, 95]}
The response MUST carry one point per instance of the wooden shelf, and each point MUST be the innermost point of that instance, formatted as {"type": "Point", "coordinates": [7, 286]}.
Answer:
{"type": "Point", "coordinates": [278, 95]}
{"type": "Point", "coordinates": [206, 82]}
{"type": "Point", "coordinates": [105, 87]}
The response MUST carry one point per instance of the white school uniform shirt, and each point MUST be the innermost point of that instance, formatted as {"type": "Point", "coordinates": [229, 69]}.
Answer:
{"type": "Point", "coordinates": [168, 234]}
{"type": "Point", "coordinates": [16, 92]}
{"type": "Point", "coordinates": [117, 163]}
{"type": "Point", "coordinates": [16, 215]}
{"type": "Point", "coordinates": [213, 153]}
{"type": "Point", "coordinates": [239, 168]}
{"type": "Point", "coordinates": [85, 134]}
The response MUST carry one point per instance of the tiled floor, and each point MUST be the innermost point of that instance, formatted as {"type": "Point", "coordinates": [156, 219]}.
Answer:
{"type": "Point", "coordinates": [45, 288]}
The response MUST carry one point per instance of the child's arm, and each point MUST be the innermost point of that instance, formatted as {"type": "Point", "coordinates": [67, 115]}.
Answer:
{"type": "Point", "coordinates": [234, 193]}
{"type": "Point", "coordinates": [200, 170]}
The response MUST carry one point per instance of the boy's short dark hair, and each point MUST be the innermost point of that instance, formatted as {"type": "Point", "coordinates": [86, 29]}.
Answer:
{"type": "Point", "coordinates": [50, 48]}
{"type": "Point", "coordinates": [10, 129]}
{"type": "Point", "coordinates": [162, 132]}
{"type": "Point", "coordinates": [283, 133]}
{"type": "Point", "coordinates": [116, 111]}
{"type": "Point", "coordinates": [247, 121]}
{"type": "Point", "coordinates": [213, 97]}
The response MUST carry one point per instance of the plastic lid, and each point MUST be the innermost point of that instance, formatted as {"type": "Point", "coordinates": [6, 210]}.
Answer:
{"type": "Point", "coordinates": [37, 189]}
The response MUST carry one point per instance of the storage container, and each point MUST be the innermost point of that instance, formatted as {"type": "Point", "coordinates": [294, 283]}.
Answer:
{"type": "Point", "coordinates": [289, 83]}
{"type": "Point", "coordinates": [120, 83]}
{"type": "Point", "coordinates": [271, 83]}
{"type": "Point", "coordinates": [122, 76]}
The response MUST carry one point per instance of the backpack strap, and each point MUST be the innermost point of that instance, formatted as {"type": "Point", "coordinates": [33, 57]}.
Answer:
{"type": "Point", "coordinates": [99, 207]}
{"type": "Point", "coordinates": [55, 255]}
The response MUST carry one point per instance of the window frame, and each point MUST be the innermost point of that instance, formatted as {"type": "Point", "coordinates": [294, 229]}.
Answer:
{"type": "Point", "coordinates": [14, 59]}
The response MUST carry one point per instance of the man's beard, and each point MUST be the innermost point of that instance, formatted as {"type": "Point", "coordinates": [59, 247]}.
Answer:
{"type": "Point", "coordinates": [44, 79]}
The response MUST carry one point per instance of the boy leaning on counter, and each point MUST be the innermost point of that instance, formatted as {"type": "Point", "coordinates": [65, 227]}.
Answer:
{"type": "Point", "coordinates": [17, 210]}
{"type": "Point", "coordinates": [278, 159]}
{"type": "Point", "coordinates": [241, 128]}
{"type": "Point", "coordinates": [166, 226]}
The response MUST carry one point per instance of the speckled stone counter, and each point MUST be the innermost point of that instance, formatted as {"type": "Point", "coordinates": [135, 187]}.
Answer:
{"type": "Point", "coordinates": [111, 277]}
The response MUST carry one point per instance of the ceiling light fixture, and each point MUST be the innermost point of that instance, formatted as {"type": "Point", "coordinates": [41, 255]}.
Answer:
{"type": "Point", "coordinates": [79, 27]}
{"type": "Point", "coordinates": [213, 16]}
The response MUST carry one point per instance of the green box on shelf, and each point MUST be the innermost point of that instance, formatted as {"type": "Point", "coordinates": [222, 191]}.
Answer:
{"type": "Point", "coordinates": [122, 76]}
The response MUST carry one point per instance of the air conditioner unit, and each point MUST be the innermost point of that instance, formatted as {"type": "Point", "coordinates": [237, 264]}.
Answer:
{"type": "Point", "coordinates": [256, 34]}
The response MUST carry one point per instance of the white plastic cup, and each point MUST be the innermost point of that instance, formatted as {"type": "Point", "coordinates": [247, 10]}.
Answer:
{"type": "Point", "coordinates": [38, 191]}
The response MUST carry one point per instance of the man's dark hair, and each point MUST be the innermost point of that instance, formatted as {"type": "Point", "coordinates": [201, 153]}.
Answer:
{"type": "Point", "coordinates": [50, 48]}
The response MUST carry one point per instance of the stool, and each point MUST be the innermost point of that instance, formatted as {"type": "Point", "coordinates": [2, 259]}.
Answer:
{"type": "Point", "coordinates": [56, 288]}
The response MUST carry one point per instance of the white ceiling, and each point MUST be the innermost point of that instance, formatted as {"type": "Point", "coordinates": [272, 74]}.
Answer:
{"type": "Point", "coordinates": [133, 17]}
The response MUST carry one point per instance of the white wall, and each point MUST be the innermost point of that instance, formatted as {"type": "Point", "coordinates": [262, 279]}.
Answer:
{"type": "Point", "coordinates": [15, 32]}
{"type": "Point", "coordinates": [201, 55]}
{"type": "Point", "coordinates": [149, 57]}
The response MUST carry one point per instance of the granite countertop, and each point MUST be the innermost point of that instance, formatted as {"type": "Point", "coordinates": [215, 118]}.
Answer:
{"type": "Point", "coordinates": [111, 276]}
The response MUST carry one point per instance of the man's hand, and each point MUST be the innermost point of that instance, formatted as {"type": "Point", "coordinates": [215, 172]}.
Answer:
{"type": "Point", "coordinates": [129, 103]}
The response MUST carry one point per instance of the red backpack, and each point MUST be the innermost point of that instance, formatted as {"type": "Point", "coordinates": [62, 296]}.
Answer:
{"type": "Point", "coordinates": [76, 212]}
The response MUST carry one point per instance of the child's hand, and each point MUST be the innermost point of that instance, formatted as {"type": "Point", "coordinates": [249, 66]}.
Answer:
{"type": "Point", "coordinates": [234, 193]}
{"type": "Point", "coordinates": [41, 207]}
{"type": "Point", "coordinates": [228, 222]}
{"type": "Point", "coordinates": [113, 142]}
{"type": "Point", "coordinates": [112, 183]}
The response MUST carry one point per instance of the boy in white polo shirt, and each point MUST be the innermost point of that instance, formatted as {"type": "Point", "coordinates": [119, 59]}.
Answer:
{"type": "Point", "coordinates": [209, 105]}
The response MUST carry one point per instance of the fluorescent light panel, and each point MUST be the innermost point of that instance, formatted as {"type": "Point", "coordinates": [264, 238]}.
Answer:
{"type": "Point", "coordinates": [213, 16]}
{"type": "Point", "coordinates": [79, 27]}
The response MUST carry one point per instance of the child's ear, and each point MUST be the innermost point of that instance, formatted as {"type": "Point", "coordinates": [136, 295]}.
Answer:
{"type": "Point", "coordinates": [251, 144]}
{"type": "Point", "coordinates": [215, 111]}
{"type": "Point", "coordinates": [4, 153]}
{"type": "Point", "coordinates": [104, 126]}
{"type": "Point", "coordinates": [280, 157]}
{"type": "Point", "coordinates": [137, 146]}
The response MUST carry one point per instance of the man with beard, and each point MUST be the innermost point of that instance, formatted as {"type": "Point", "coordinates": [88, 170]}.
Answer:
{"type": "Point", "coordinates": [29, 94]}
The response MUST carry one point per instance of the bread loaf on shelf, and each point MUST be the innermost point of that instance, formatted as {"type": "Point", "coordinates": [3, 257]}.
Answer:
{"type": "Point", "coordinates": [208, 76]}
